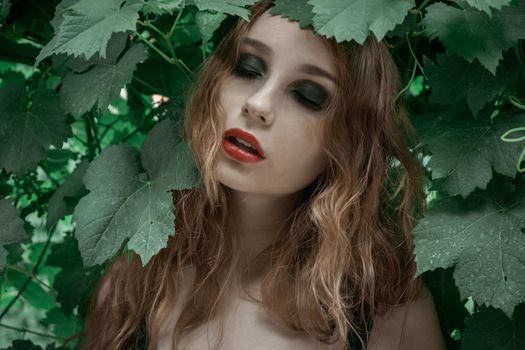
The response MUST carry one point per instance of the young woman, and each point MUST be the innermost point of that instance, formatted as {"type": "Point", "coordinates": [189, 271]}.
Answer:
{"type": "Point", "coordinates": [300, 237]}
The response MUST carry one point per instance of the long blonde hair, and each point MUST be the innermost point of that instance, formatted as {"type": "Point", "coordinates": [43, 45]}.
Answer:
{"type": "Point", "coordinates": [348, 253]}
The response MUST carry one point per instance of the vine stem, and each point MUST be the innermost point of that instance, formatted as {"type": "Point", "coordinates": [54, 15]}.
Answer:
{"type": "Point", "coordinates": [176, 22]}
{"type": "Point", "coordinates": [175, 61]}
{"type": "Point", "coordinates": [34, 272]}
{"type": "Point", "coordinates": [29, 274]}
{"type": "Point", "coordinates": [416, 64]}
{"type": "Point", "coordinates": [415, 58]}
{"type": "Point", "coordinates": [24, 330]}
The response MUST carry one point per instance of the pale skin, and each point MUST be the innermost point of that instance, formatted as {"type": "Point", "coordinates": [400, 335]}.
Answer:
{"type": "Point", "coordinates": [263, 193]}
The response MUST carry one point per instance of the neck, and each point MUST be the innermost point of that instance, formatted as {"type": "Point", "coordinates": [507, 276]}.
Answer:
{"type": "Point", "coordinates": [258, 219]}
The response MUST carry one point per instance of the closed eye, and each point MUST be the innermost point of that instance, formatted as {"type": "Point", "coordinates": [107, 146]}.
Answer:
{"type": "Point", "coordinates": [250, 67]}
{"type": "Point", "coordinates": [310, 95]}
{"type": "Point", "coordinates": [307, 102]}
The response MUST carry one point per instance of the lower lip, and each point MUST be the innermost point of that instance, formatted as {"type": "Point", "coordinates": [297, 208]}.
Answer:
{"type": "Point", "coordinates": [238, 153]}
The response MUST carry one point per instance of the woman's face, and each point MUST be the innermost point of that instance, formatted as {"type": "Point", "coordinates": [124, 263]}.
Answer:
{"type": "Point", "coordinates": [275, 97]}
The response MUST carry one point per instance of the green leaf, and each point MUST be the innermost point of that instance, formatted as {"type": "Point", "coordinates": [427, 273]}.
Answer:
{"type": "Point", "coordinates": [79, 94]}
{"type": "Point", "coordinates": [482, 236]}
{"type": "Point", "coordinates": [34, 294]}
{"type": "Point", "coordinates": [71, 188]}
{"type": "Point", "coordinates": [87, 27]}
{"type": "Point", "coordinates": [27, 132]}
{"type": "Point", "coordinates": [23, 345]}
{"type": "Point", "coordinates": [454, 79]}
{"type": "Point", "coordinates": [347, 20]}
{"type": "Point", "coordinates": [491, 328]}
{"type": "Point", "coordinates": [208, 22]}
{"type": "Point", "coordinates": [11, 230]}
{"type": "Point", "coordinates": [466, 150]}
{"type": "Point", "coordinates": [295, 10]}
{"type": "Point", "coordinates": [162, 7]}
{"type": "Point", "coordinates": [156, 76]}
{"type": "Point", "coordinates": [474, 35]}
{"type": "Point", "coordinates": [63, 326]}
{"type": "Point", "coordinates": [130, 196]}
{"type": "Point", "coordinates": [487, 5]}
{"type": "Point", "coordinates": [230, 7]}
{"type": "Point", "coordinates": [74, 282]}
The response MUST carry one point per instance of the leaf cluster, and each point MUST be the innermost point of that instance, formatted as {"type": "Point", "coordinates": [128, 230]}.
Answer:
{"type": "Point", "coordinates": [92, 97]}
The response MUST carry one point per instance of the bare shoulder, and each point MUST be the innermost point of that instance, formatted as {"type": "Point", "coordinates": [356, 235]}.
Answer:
{"type": "Point", "coordinates": [409, 327]}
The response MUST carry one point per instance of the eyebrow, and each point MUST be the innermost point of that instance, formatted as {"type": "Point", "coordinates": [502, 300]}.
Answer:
{"type": "Point", "coordinates": [305, 68]}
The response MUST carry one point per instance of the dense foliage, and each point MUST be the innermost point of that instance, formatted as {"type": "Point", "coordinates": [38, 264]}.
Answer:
{"type": "Point", "coordinates": [91, 100]}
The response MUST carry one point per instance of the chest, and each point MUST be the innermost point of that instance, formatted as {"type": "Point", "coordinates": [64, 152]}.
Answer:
{"type": "Point", "coordinates": [245, 325]}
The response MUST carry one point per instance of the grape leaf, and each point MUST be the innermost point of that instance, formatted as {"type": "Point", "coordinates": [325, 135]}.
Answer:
{"type": "Point", "coordinates": [64, 327]}
{"type": "Point", "coordinates": [295, 10]}
{"type": "Point", "coordinates": [482, 236]}
{"type": "Point", "coordinates": [26, 133]}
{"type": "Point", "coordinates": [208, 22]}
{"type": "Point", "coordinates": [491, 328]}
{"type": "Point", "coordinates": [161, 7]}
{"type": "Point", "coordinates": [486, 5]}
{"type": "Point", "coordinates": [230, 7]}
{"type": "Point", "coordinates": [79, 94]}
{"type": "Point", "coordinates": [23, 345]}
{"type": "Point", "coordinates": [33, 293]}
{"type": "Point", "coordinates": [87, 25]}
{"type": "Point", "coordinates": [73, 282]}
{"type": "Point", "coordinates": [130, 196]}
{"type": "Point", "coordinates": [355, 19]}
{"type": "Point", "coordinates": [474, 35]}
{"type": "Point", "coordinates": [454, 79]}
{"type": "Point", "coordinates": [71, 188]}
{"type": "Point", "coordinates": [465, 150]}
{"type": "Point", "coordinates": [11, 230]}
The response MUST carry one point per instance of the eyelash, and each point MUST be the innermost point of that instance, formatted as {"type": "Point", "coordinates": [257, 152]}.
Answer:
{"type": "Point", "coordinates": [249, 73]}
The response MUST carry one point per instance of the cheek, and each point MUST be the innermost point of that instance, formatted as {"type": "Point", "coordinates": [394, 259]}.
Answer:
{"type": "Point", "coordinates": [301, 157]}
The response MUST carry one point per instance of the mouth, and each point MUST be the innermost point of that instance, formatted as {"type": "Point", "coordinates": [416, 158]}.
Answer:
{"type": "Point", "coordinates": [242, 146]}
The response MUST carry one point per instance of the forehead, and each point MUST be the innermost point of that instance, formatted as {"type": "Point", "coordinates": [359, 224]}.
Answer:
{"type": "Point", "coordinates": [287, 39]}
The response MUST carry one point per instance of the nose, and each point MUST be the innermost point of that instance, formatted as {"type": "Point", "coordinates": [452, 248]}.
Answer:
{"type": "Point", "coordinates": [259, 106]}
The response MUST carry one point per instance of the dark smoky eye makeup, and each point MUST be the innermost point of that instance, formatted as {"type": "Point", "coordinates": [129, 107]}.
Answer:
{"type": "Point", "coordinates": [249, 66]}
{"type": "Point", "coordinates": [310, 95]}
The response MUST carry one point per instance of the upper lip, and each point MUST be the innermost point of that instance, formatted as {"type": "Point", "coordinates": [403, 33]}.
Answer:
{"type": "Point", "coordinates": [245, 136]}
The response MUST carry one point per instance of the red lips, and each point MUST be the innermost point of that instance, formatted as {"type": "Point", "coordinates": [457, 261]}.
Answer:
{"type": "Point", "coordinates": [239, 151]}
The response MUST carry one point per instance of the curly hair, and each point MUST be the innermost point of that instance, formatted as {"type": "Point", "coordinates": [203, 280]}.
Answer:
{"type": "Point", "coordinates": [349, 248]}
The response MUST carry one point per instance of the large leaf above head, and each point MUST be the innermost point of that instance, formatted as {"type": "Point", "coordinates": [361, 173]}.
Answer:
{"type": "Point", "coordinates": [130, 196]}
{"type": "Point", "coordinates": [487, 5]}
{"type": "Point", "coordinates": [27, 132]}
{"type": "Point", "coordinates": [482, 236]}
{"type": "Point", "coordinates": [347, 20]}
{"type": "Point", "coordinates": [295, 10]}
{"type": "Point", "coordinates": [454, 79]}
{"type": "Point", "coordinates": [491, 328]}
{"type": "Point", "coordinates": [11, 230]}
{"type": "Point", "coordinates": [472, 34]}
{"type": "Point", "coordinates": [230, 7]}
{"type": "Point", "coordinates": [465, 150]}
{"type": "Point", "coordinates": [79, 93]}
{"type": "Point", "coordinates": [86, 27]}
{"type": "Point", "coordinates": [162, 7]}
